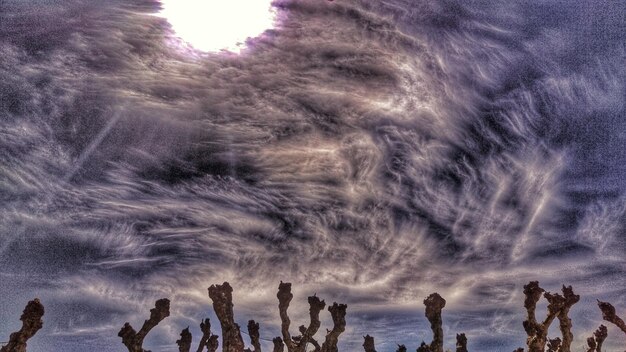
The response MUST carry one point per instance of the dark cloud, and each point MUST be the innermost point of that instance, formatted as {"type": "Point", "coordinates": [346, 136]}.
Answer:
{"type": "Point", "coordinates": [372, 152]}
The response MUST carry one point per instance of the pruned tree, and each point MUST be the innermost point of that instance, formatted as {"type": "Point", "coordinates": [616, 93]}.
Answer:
{"type": "Point", "coordinates": [253, 331]}
{"type": "Point", "coordinates": [608, 314]}
{"type": "Point", "coordinates": [434, 305]}
{"type": "Point", "coordinates": [368, 344]}
{"type": "Point", "coordinates": [207, 340]}
{"type": "Point", "coordinates": [184, 344]}
{"type": "Point", "coordinates": [595, 342]}
{"type": "Point", "coordinates": [423, 347]}
{"type": "Point", "coordinates": [134, 340]}
{"type": "Point", "coordinates": [31, 323]}
{"type": "Point", "coordinates": [222, 297]}
{"type": "Point", "coordinates": [298, 343]}
{"type": "Point", "coordinates": [558, 307]}
{"type": "Point", "coordinates": [338, 313]}
{"type": "Point", "coordinates": [279, 346]}
{"type": "Point", "coordinates": [461, 343]}
{"type": "Point", "coordinates": [565, 323]}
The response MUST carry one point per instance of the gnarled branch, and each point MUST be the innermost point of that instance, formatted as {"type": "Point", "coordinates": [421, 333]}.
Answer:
{"type": "Point", "coordinates": [205, 327]}
{"type": "Point", "coordinates": [608, 314]}
{"type": "Point", "coordinates": [565, 323]}
{"type": "Point", "coordinates": [338, 313]}
{"type": "Point", "coordinates": [434, 304]}
{"type": "Point", "coordinates": [253, 331]}
{"type": "Point", "coordinates": [134, 340]}
{"type": "Point", "coordinates": [31, 323]}
{"type": "Point", "coordinates": [279, 346]}
{"type": "Point", "coordinates": [184, 344]}
{"type": "Point", "coordinates": [298, 343]}
{"type": "Point", "coordinates": [461, 343]}
{"type": "Point", "coordinates": [595, 342]}
{"type": "Point", "coordinates": [558, 306]}
{"type": "Point", "coordinates": [222, 296]}
{"type": "Point", "coordinates": [368, 344]}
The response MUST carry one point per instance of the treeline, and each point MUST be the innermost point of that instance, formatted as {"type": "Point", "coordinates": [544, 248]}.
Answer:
{"type": "Point", "coordinates": [559, 306]}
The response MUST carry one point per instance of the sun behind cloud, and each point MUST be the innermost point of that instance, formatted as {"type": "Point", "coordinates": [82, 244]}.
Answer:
{"type": "Point", "coordinates": [215, 25]}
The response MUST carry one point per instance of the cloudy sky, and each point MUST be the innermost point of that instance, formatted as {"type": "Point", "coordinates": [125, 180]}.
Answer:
{"type": "Point", "coordinates": [368, 151]}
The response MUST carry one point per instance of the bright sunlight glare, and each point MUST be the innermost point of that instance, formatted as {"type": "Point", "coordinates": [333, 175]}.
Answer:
{"type": "Point", "coordinates": [215, 25]}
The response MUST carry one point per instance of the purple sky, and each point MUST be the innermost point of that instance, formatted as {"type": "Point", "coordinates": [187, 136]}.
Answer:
{"type": "Point", "coordinates": [368, 151]}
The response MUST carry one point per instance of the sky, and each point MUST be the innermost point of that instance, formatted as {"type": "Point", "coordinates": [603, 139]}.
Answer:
{"type": "Point", "coordinates": [371, 152]}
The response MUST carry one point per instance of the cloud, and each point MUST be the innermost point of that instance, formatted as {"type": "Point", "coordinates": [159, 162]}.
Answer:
{"type": "Point", "coordinates": [370, 152]}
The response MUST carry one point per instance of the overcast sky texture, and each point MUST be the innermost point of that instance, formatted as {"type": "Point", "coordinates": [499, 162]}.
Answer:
{"type": "Point", "coordinates": [368, 151]}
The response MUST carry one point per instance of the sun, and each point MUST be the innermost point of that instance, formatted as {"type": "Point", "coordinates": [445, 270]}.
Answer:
{"type": "Point", "coordinates": [216, 25]}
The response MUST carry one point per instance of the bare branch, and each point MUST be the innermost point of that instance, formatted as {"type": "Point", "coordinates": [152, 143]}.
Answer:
{"type": "Point", "coordinates": [134, 340]}
{"type": "Point", "coordinates": [565, 323]}
{"type": "Point", "coordinates": [184, 344]}
{"type": "Point", "coordinates": [253, 331]}
{"type": "Point", "coordinates": [213, 343]}
{"type": "Point", "coordinates": [461, 343]}
{"type": "Point", "coordinates": [31, 323]}
{"type": "Point", "coordinates": [595, 342]}
{"type": "Point", "coordinates": [222, 296]}
{"type": "Point", "coordinates": [284, 298]}
{"type": "Point", "coordinates": [423, 347]}
{"type": "Point", "coordinates": [434, 304]}
{"type": "Point", "coordinates": [279, 346]}
{"type": "Point", "coordinates": [368, 344]}
{"type": "Point", "coordinates": [205, 327]}
{"type": "Point", "coordinates": [338, 313]}
{"type": "Point", "coordinates": [608, 314]}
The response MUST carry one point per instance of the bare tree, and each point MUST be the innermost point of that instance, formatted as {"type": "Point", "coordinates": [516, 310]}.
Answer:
{"type": "Point", "coordinates": [222, 296]}
{"type": "Point", "coordinates": [184, 344]}
{"type": "Point", "coordinates": [279, 346]}
{"type": "Point", "coordinates": [595, 342]}
{"type": "Point", "coordinates": [338, 313]}
{"type": "Point", "coordinates": [558, 306]}
{"type": "Point", "coordinates": [298, 343]}
{"type": "Point", "coordinates": [461, 343]}
{"type": "Point", "coordinates": [434, 304]}
{"type": "Point", "coordinates": [368, 344]}
{"type": "Point", "coordinates": [565, 323]}
{"type": "Point", "coordinates": [207, 340]}
{"type": "Point", "coordinates": [31, 323]}
{"type": "Point", "coordinates": [253, 331]}
{"type": "Point", "coordinates": [134, 340]}
{"type": "Point", "coordinates": [608, 314]}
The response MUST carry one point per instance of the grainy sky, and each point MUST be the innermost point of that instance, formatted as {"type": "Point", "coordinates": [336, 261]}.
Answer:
{"type": "Point", "coordinates": [368, 151]}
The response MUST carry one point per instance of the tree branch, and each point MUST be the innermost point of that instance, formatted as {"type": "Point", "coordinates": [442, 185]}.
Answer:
{"type": "Point", "coordinates": [222, 296]}
{"type": "Point", "coordinates": [184, 344]}
{"type": "Point", "coordinates": [608, 314]}
{"type": "Point", "coordinates": [279, 346]}
{"type": "Point", "coordinates": [338, 313]}
{"type": "Point", "coordinates": [31, 323]}
{"type": "Point", "coordinates": [368, 344]}
{"type": "Point", "coordinates": [595, 342]}
{"type": "Point", "coordinates": [434, 304]}
{"type": "Point", "coordinates": [253, 331]}
{"type": "Point", "coordinates": [461, 343]}
{"type": "Point", "coordinates": [134, 340]}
